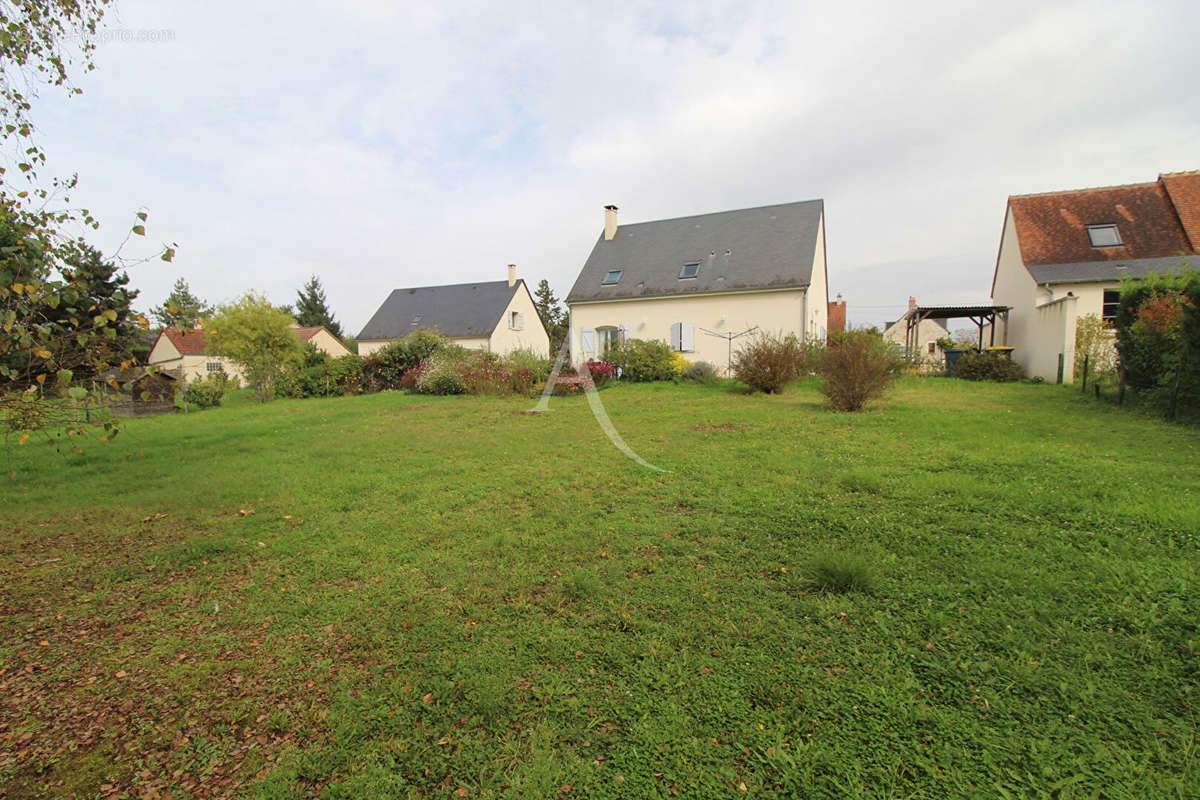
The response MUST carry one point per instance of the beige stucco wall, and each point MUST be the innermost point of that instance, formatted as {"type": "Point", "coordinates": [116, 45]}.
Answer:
{"type": "Point", "coordinates": [328, 344]}
{"type": "Point", "coordinates": [818, 290]}
{"type": "Point", "coordinates": [1015, 287]}
{"type": "Point", "coordinates": [165, 357]}
{"type": "Point", "coordinates": [1091, 295]}
{"type": "Point", "coordinates": [368, 346]}
{"type": "Point", "coordinates": [532, 335]}
{"type": "Point", "coordinates": [779, 312]}
{"type": "Point", "coordinates": [1051, 331]}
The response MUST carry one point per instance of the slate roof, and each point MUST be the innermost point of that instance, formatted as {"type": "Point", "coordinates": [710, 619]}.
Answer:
{"type": "Point", "coordinates": [461, 310]}
{"type": "Point", "coordinates": [769, 247]}
{"type": "Point", "coordinates": [1088, 271]}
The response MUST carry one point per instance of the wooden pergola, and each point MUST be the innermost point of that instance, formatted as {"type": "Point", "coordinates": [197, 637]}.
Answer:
{"type": "Point", "coordinates": [980, 315]}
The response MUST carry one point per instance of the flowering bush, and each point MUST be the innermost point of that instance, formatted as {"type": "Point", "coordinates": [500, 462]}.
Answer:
{"type": "Point", "coordinates": [601, 372]}
{"type": "Point", "coordinates": [679, 363]}
{"type": "Point", "coordinates": [411, 376]}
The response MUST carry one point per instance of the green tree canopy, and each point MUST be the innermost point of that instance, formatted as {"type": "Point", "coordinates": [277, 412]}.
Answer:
{"type": "Point", "coordinates": [181, 309]}
{"type": "Point", "coordinates": [311, 307]}
{"type": "Point", "coordinates": [552, 315]}
{"type": "Point", "coordinates": [257, 336]}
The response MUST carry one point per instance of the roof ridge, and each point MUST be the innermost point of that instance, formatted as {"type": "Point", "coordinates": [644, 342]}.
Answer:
{"type": "Point", "coordinates": [1088, 189]}
{"type": "Point", "coordinates": [1182, 172]}
{"type": "Point", "coordinates": [448, 285]}
{"type": "Point", "coordinates": [726, 211]}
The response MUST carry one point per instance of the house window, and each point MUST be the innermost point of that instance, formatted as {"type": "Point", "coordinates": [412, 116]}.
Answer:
{"type": "Point", "coordinates": [932, 348]}
{"type": "Point", "coordinates": [690, 270]}
{"type": "Point", "coordinates": [607, 339]}
{"type": "Point", "coordinates": [1104, 235]}
{"type": "Point", "coordinates": [1112, 301]}
{"type": "Point", "coordinates": [417, 320]}
{"type": "Point", "coordinates": [613, 276]}
{"type": "Point", "coordinates": [515, 321]}
{"type": "Point", "coordinates": [213, 366]}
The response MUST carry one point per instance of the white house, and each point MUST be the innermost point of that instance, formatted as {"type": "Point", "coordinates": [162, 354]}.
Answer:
{"type": "Point", "coordinates": [181, 352]}
{"type": "Point", "coordinates": [696, 281]}
{"type": "Point", "coordinates": [1063, 254]}
{"type": "Point", "coordinates": [497, 316]}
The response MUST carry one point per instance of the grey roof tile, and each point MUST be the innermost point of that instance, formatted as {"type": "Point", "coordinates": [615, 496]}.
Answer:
{"type": "Point", "coordinates": [460, 310]}
{"type": "Point", "coordinates": [1113, 270]}
{"type": "Point", "coordinates": [769, 247]}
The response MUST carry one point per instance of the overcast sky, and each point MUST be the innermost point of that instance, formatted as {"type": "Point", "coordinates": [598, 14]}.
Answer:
{"type": "Point", "coordinates": [382, 144]}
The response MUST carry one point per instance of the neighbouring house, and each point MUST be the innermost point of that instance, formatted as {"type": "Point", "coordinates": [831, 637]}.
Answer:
{"type": "Point", "coordinates": [695, 282]}
{"type": "Point", "coordinates": [181, 352]}
{"type": "Point", "coordinates": [837, 315]}
{"type": "Point", "coordinates": [320, 337]}
{"type": "Point", "coordinates": [496, 316]}
{"type": "Point", "coordinates": [927, 334]}
{"type": "Point", "coordinates": [1063, 255]}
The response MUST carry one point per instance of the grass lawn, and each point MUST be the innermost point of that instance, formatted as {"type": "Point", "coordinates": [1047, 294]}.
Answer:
{"type": "Point", "coordinates": [422, 597]}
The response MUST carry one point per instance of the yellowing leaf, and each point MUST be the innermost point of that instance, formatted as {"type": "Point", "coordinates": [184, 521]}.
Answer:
{"type": "Point", "coordinates": [140, 230]}
{"type": "Point", "coordinates": [24, 438]}
{"type": "Point", "coordinates": [41, 379]}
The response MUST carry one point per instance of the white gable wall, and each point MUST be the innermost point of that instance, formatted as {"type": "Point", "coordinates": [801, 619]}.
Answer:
{"type": "Point", "coordinates": [778, 312]}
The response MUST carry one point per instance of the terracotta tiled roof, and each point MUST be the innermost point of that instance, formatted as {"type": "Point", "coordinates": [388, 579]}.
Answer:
{"type": "Point", "coordinates": [306, 333]}
{"type": "Point", "coordinates": [188, 343]}
{"type": "Point", "coordinates": [1052, 227]}
{"type": "Point", "coordinates": [1183, 188]}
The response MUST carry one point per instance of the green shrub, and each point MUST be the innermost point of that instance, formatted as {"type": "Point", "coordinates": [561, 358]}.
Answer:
{"type": "Point", "coordinates": [699, 372]}
{"type": "Point", "coordinates": [442, 372]}
{"type": "Point", "coordinates": [987, 366]}
{"type": "Point", "coordinates": [1095, 341]}
{"type": "Point", "coordinates": [1158, 337]}
{"type": "Point", "coordinates": [767, 363]}
{"type": "Point", "coordinates": [526, 358]}
{"type": "Point", "coordinates": [206, 393]}
{"type": "Point", "coordinates": [383, 369]}
{"type": "Point", "coordinates": [839, 571]}
{"type": "Point", "coordinates": [643, 360]}
{"type": "Point", "coordinates": [856, 367]}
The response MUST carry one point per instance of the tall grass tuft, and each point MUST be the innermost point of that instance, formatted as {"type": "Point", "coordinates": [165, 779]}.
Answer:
{"type": "Point", "coordinates": [839, 572]}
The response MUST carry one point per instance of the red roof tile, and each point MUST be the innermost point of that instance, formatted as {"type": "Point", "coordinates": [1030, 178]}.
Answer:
{"type": "Point", "coordinates": [1052, 227]}
{"type": "Point", "coordinates": [188, 343]}
{"type": "Point", "coordinates": [306, 333]}
{"type": "Point", "coordinates": [1183, 188]}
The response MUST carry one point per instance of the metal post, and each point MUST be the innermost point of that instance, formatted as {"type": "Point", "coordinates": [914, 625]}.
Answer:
{"type": "Point", "coordinates": [1085, 371]}
{"type": "Point", "coordinates": [1060, 369]}
{"type": "Point", "coordinates": [1174, 393]}
{"type": "Point", "coordinates": [1121, 387]}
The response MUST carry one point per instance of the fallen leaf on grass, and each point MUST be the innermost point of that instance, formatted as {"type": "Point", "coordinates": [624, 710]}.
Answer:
{"type": "Point", "coordinates": [245, 512]}
{"type": "Point", "coordinates": [121, 673]}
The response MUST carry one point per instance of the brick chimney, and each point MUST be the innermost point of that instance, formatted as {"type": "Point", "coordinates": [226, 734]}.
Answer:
{"type": "Point", "coordinates": [912, 302]}
{"type": "Point", "coordinates": [837, 315]}
{"type": "Point", "coordinates": [512, 274]}
{"type": "Point", "coordinates": [610, 222]}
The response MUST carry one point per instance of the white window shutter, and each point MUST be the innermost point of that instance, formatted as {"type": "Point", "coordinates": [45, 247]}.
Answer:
{"type": "Point", "coordinates": [587, 342]}
{"type": "Point", "coordinates": [676, 334]}
{"type": "Point", "coordinates": [687, 339]}
{"type": "Point", "coordinates": [626, 333]}
{"type": "Point", "coordinates": [521, 321]}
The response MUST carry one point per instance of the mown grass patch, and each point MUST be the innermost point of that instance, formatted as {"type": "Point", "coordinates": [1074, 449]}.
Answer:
{"type": "Point", "coordinates": [440, 597]}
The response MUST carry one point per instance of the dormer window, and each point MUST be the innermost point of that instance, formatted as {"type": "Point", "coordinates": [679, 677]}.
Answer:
{"type": "Point", "coordinates": [417, 320]}
{"type": "Point", "coordinates": [1104, 235]}
{"type": "Point", "coordinates": [690, 270]}
{"type": "Point", "coordinates": [611, 277]}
